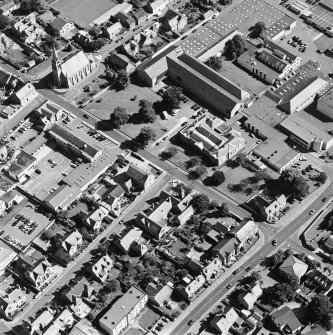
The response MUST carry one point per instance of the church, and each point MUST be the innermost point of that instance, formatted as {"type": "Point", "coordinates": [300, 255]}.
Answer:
{"type": "Point", "coordinates": [71, 71]}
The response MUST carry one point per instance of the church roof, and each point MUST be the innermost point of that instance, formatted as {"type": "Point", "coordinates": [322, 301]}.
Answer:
{"type": "Point", "coordinates": [74, 64]}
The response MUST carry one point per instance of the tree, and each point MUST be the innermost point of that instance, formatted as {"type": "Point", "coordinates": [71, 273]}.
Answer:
{"type": "Point", "coordinates": [110, 75]}
{"type": "Point", "coordinates": [319, 308]}
{"type": "Point", "coordinates": [259, 27]}
{"type": "Point", "coordinates": [218, 177]}
{"type": "Point", "coordinates": [147, 111]}
{"type": "Point", "coordinates": [198, 172]}
{"type": "Point", "coordinates": [49, 234]}
{"type": "Point", "coordinates": [113, 285]}
{"type": "Point", "coordinates": [200, 202]}
{"type": "Point", "coordinates": [280, 293]}
{"type": "Point", "coordinates": [204, 228]}
{"type": "Point", "coordinates": [122, 79]}
{"type": "Point", "coordinates": [168, 153]}
{"type": "Point", "coordinates": [290, 181]}
{"type": "Point", "coordinates": [62, 256]}
{"type": "Point", "coordinates": [195, 221]}
{"type": "Point", "coordinates": [277, 258]}
{"type": "Point", "coordinates": [322, 177]}
{"type": "Point", "coordinates": [255, 275]}
{"type": "Point", "coordinates": [193, 161]}
{"type": "Point", "coordinates": [119, 117]}
{"type": "Point", "coordinates": [29, 6]}
{"type": "Point", "coordinates": [291, 279]}
{"type": "Point", "coordinates": [224, 210]}
{"type": "Point", "coordinates": [300, 187]}
{"type": "Point", "coordinates": [235, 46]}
{"type": "Point", "coordinates": [5, 21]}
{"type": "Point", "coordinates": [146, 134]}
{"type": "Point", "coordinates": [215, 63]}
{"type": "Point", "coordinates": [171, 97]}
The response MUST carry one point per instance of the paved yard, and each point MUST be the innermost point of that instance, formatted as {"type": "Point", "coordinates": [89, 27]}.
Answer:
{"type": "Point", "coordinates": [148, 319]}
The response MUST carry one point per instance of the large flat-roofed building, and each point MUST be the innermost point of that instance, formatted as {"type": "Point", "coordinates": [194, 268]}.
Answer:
{"type": "Point", "coordinates": [206, 84]}
{"type": "Point", "coordinates": [299, 91]}
{"type": "Point", "coordinates": [299, 7]}
{"type": "Point", "coordinates": [325, 104]}
{"type": "Point", "coordinates": [208, 136]}
{"type": "Point", "coordinates": [327, 4]}
{"type": "Point", "coordinates": [123, 311]}
{"type": "Point", "coordinates": [21, 166]}
{"type": "Point", "coordinates": [276, 154]}
{"type": "Point", "coordinates": [306, 134]}
{"type": "Point", "coordinates": [156, 68]}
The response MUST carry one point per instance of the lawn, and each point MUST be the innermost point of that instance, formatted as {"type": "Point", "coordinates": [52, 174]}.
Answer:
{"type": "Point", "coordinates": [148, 319]}
{"type": "Point", "coordinates": [234, 177]}
{"type": "Point", "coordinates": [83, 12]}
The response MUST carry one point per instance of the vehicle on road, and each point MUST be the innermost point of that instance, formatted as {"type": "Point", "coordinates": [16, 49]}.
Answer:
{"type": "Point", "coordinates": [249, 268]}
{"type": "Point", "coordinates": [86, 116]}
{"type": "Point", "coordinates": [229, 286]}
{"type": "Point", "coordinates": [236, 271]}
{"type": "Point", "coordinates": [312, 212]}
{"type": "Point", "coordinates": [190, 323]}
{"type": "Point", "coordinates": [274, 242]}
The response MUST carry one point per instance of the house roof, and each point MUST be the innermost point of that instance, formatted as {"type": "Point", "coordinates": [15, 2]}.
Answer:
{"type": "Point", "coordinates": [131, 236]}
{"type": "Point", "coordinates": [22, 161]}
{"type": "Point", "coordinates": [286, 317]}
{"type": "Point", "coordinates": [84, 327]}
{"type": "Point", "coordinates": [58, 23]}
{"type": "Point", "coordinates": [63, 196]}
{"type": "Point", "coordinates": [74, 64]}
{"type": "Point", "coordinates": [244, 230]}
{"type": "Point", "coordinates": [329, 242]}
{"type": "Point", "coordinates": [226, 246]}
{"type": "Point", "coordinates": [24, 90]}
{"type": "Point", "coordinates": [136, 173]}
{"type": "Point", "coordinates": [294, 266]}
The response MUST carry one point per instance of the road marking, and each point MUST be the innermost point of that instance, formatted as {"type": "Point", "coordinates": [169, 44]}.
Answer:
{"type": "Point", "coordinates": [317, 36]}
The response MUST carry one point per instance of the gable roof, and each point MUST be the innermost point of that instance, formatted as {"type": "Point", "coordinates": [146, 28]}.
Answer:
{"type": "Point", "coordinates": [74, 64]}
{"type": "Point", "coordinates": [58, 23]}
{"type": "Point", "coordinates": [294, 266]}
{"type": "Point", "coordinates": [286, 317]}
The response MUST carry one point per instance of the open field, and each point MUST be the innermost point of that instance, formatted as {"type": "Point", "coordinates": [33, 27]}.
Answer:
{"type": "Point", "coordinates": [83, 12]}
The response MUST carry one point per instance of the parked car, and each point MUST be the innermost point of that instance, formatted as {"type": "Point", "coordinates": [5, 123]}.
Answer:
{"type": "Point", "coordinates": [236, 271]}
{"type": "Point", "coordinates": [312, 212]}
{"type": "Point", "coordinates": [190, 323]}
{"type": "Point", "coordinates": [229, 286]}
{"type": "Point", "coordinates": [324, 199]}
{"type": "Point", "coordinates": [274, 242]}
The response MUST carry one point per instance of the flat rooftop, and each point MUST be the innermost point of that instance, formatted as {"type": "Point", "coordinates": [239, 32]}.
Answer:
{"type": "Point", "coordinates": [122, 307]}
{"type": "Point", "coordinates": [327, 98]}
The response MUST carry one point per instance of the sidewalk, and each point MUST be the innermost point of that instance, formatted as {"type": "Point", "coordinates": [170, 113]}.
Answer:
{"type": "Point", "coordinates": [169, 328]}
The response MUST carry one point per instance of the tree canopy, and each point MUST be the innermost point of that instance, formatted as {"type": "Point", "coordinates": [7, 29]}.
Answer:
{"type": "Point", "coordinates": [171, 97]}
{"type": "Point", "coordinates": [224, 210]}
{"type": "Point", "coordinates": [147, 111]}
{"type": "Point", "coordinates": [218, 177]}
{"type": "Point", "coordinates": [168, 153]}
{"type": "Point", "coordinates": [5, 21]}
{"type": "Point", "coordinates": [214, 62]}
{"type": "Point", "coordinates": [319, 308]}
{"type": "Point", "coordinates": [259, 27]}
{"type": "Point", "coordinates": [235, 46]}
{"type": "Point", "coordinates": [146, 134]}
{"type": "Point", "coordinates": [279, 293]}
{"type": "Point", "coordinates": [200, 202]}
{"type": "Point", "coordinates": [122, 79]}
{"type": "Point", "coordinates": [119, 117]}
{"type": "Point", "coordinates": [290, 181]}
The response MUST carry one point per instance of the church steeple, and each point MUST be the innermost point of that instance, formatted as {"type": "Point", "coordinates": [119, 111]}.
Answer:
{"type": "Point", "coordinates": [56, 68]}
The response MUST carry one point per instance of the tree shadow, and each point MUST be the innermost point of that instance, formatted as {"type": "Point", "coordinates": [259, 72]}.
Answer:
{"type": "Point", "coordinates": [209, 181]}
{"type": "Point", "coordinates": [136, 118]}
{"type": "Point", "coordinates": [129, 144]}
{"type": "Point", "coordinates": [104, 125]}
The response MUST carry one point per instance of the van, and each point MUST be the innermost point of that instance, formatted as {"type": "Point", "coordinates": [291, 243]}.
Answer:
{"type": "Point", "coordinates": [166, 115]}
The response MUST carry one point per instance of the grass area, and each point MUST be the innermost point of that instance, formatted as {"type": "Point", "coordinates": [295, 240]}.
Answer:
{"type": "Point", "coordinates": [148, 319]}
{"type": "Point", "coordinates": [83, 12]}
{"type": "Point", "coordinates": [179, 249]}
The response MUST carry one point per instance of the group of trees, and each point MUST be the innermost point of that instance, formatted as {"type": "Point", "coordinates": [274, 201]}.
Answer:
{"type": "Point", "coordinates": [147, 111]}
{"type": "Point", "coordinates": [29, 6]}
{"type": "Point", "coordinates": [168, 153]}
{"type": "Point", "coordinates": [146, 134]}
{"type": "Point", "coordinates": [218, 177]}
{"type": "Point", "coordinates": [214, 62]}
{"type": "Point", "coordinates": [119, 117]}
{"type": "Point", "coordinates": [5, 21]}
{"type": "Point", "coordinates": [258, 29]}
{"type": "Point", "coordinates": [319, 310]}
{"type": "Point", "coordinates": [291, 181]}
{"type": "Point", "coordinates": [122, 80]}
{"type": "Point", "coordinates": [235, 46]}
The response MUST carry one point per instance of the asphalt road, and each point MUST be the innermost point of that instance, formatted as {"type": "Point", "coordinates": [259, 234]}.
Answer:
{"type": "Point", "coordinates": [282, 235]}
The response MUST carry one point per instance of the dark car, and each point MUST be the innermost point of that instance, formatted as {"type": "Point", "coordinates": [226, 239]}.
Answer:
{"type": "Point", "coordinates": [236, 271]}
{"type": "Point", "coordinates": [324, 199]}
{"type": "Point", "coordinates": [229, 286]}
{"type": "Point", "coordinates": [190, 323]}
{"type": "Point", "coordinates": [86, 116]}
{"type": "Point", "coordinates": [249, 268]}
{"type": "Point", "coordinates": [274, 242]}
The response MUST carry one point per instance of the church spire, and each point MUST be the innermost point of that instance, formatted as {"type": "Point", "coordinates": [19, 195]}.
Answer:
{"type": "Point", "coordinates": [56, 68]}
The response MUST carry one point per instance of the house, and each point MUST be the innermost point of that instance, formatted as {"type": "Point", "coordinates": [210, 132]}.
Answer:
{"type": "Point", "coordinates": [7, 255]}
{"type": "Point", "coordinates": [60, 26]}
{"type": "Point", "coordinates": [23, 94]}
{"type": "Point", "coordinates": [286, 320]}
{"type": "Point", "coordinates": [227, 250]}
{"type": "Point", "coordinates": [41, 322]}
{"type": "Point", "coordinates": [126, 20]}
{"type": "Point", "coordinates": [63, 322]}
{"type": "Point", "coordinates": [72, 242]}
{"type": "Point", "coordinates": [159, 295]}
{"type": "Point", "coordinates": [141, 16]}
{"type": "Point", "coordinates": [11, 303]}
{"type": "Point", "coordinates": [125, 242]}
{"type": "Point", "coordinates": [208, 137]}
{"type": "Point", "coordinates": [191, 287]}
{"type": "Point", "coordinates": [123, 311]}
{"type": "Point", "coordinates": [157, 7]}
{"type": "Point", "coordinates": [222, 321]}
{"type": "Point", "coordinates": [40, 274]}
{"type": "Point", "coordinates": [174, 21]}
{"type": "Point", "coordinates": [270, 210]}
{"type": "Point", "coordinates": [94, 220]}
{"type": "Point", "coordinates": [121, 62]}
{"type": "Point", "coordinates": [318, 281]}
{"type": "Point", "coordinates": [28, 29]}
{"type": "Point", "coordinates": [49, 114]}
{"type": "Point", "coordinates": [329, 244]}
{"type": "Point", "coordinates": [22, 164]}
{"type": "Point", "coordinates": [293, 266]}
{"type": "Point", "coordinates": [245, 231]}
{"type": "Point", "coordinates": [72, 70]}
{"type": "Point", "coordinates": [11, 198]}
{"type": "Point", "coordinates": [249, 295]}
{"type": "Point", "coordinates": [111, 30]}
{"type": "Point", "coordinates": [84, 327]}
{"type": "Point", "coordinates": [8, 6]}
{"type": "Point", "coordinates": [80, 289]}
{"type": "Point", "coordinates": [112, 199]}
{"type": "Point", "coordinates": [140, 178]}
{"type": "Point", "coordinates": [102, 268]}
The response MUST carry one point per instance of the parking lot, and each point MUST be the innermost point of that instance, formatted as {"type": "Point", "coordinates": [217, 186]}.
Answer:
{"type": "Point", "coordinates": [26, 225]}
{"type": "Point", "coordinates": [53, 167]}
